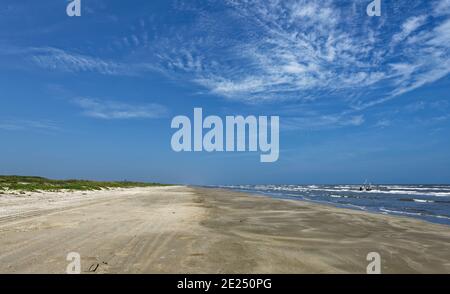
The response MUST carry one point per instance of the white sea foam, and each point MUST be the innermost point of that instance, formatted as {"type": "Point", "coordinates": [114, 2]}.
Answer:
{"type": "Point", "coordinates": [404, 190]}
{"type": "Point", "coordinates": [400, 212]}
{"type": "Point", "coordinates": [438, 194]}
{"type": "Point", "coordinates": [312, 188]}
{"type": "Point", "coordinates": [383, 198]}
{"type": "Point", "coordinates": [423, 201]}
{"type": "Point", "coordinates": [417, 188]}
{"type": "Point", "coordinates": [374, 191]}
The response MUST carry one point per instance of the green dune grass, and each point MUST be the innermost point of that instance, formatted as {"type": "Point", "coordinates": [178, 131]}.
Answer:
{"type": "Point", "coordinates": [30, 183]}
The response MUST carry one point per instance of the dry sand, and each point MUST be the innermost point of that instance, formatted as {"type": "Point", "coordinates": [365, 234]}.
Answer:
{"type": "Point", "coordinates": [194, 230]}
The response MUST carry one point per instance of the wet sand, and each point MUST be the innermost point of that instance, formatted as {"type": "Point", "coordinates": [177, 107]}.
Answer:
{"type": "Point", "coordinates": [198, 230]}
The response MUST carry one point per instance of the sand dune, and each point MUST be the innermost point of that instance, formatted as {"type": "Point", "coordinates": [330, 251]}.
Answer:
{"type": "Point", "coordinates": [194, 230]}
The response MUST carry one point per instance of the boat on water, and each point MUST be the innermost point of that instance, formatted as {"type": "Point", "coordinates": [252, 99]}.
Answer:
{"type": "Point", "coordinates": [367, 186]}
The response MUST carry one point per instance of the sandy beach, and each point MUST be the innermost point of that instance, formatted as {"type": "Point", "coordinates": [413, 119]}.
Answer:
{"type": "Point", "coordinates": [178, 229]}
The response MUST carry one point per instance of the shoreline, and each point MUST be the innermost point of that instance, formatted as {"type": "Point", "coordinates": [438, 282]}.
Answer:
{"type": "Point", "coordinates": [419, 211]}
{"type": "Point", "coordinates": [181, 229]}
{"type": "Point", "coordinates": [330, 239]}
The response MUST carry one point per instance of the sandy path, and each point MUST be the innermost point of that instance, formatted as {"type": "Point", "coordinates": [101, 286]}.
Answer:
{"type": "Point", "coordinates": [193, 230]}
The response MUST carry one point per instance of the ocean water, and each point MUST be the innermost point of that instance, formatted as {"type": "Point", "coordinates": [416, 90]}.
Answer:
{"type": "Point", "coordinates": [426, 202]}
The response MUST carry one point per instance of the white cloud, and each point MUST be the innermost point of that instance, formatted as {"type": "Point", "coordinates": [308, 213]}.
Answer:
{"type": "Point", "coordinates": [26, 124]}
{"type": "Point", "coordinates": [409, 26]}
{"type": "Point", "coordinates": [57, 59]}
{"type": "Point", "coordinates": [442, 7]}
{"type": "Point", "coordinates": [383, 123]}
{"type": "Point", "coordinates": [429, 60]}
{"type": "Point", "coordinates": [318, 122]}
{"type": "Point", "coordinates": [267, 51]}
{"type": "Point", "coordinates": [305, 50]}
{"type": "Point", "coordinates": [106, 109]}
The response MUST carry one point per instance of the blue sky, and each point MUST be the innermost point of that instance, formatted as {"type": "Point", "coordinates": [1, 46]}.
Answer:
{"type": "Point", "coordinates": [358, 97]}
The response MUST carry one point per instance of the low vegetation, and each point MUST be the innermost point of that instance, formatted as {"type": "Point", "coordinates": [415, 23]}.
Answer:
{"type": "Point", "coordinates": [36, 184]}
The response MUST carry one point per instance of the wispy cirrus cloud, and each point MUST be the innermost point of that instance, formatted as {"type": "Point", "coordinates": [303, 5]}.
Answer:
{"type": "Point", "coordinates": [26, 124]}
{"type": "Point", "coordinates": [107, 109]}
{"type": "Point", "coordinates": [269, 51]}
{"type": "Point", "coordinates": [321, 121]}
{"type": "Point", "coordinates": [285, 50]}
{"type": "Point", "coordinates": [442, 7]}
{"type": "Point", "coordinates": [306, 50]}
{"type": "Point", "coordinates": [55, 59]}
{"type": "Point", "coordinates": [408, 27]}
